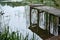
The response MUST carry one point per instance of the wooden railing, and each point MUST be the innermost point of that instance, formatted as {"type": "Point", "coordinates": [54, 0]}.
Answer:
{"type": "Point", "coordinates": [36, 29]}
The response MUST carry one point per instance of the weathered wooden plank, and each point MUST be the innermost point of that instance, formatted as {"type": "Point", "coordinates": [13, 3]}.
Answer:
{"type": "Point", "coordinates": [41, 33]}
{"type": "Point", "coordinates": [50, 10]}
{"type": "Point", "coordinates": [54, 38]}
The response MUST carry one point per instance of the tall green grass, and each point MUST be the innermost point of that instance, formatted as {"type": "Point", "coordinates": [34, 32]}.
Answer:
{"type": "Point", "coordinates": [6, 35]}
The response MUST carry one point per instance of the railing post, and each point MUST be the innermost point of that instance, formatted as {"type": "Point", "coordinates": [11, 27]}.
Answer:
{"type": "Point", "coordinates": [30, 15]}
{"type": "Point", "coordinates": [38, 18]}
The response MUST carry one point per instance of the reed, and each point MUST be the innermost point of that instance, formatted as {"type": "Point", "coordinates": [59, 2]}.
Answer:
{"type": "Point", "coordinates": [6, 35]}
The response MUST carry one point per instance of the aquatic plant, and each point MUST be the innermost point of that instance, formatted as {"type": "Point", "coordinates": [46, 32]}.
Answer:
{"type": "Point", "coordinates": [6, 35]}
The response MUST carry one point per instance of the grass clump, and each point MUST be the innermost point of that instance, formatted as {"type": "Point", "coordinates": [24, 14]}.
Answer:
{"type": "Point", "coordinates": [6, 35]}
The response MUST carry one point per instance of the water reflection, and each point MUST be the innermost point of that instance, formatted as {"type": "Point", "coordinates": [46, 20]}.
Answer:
{"type": "Point", "coordinates": [15, 18]}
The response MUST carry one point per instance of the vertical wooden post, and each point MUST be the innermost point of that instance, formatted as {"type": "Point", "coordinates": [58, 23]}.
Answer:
{"type": "Point", "coordinates": [38, 18]}
{"type": "Point", "coordinates": [48, 19]}
{"type": "Point", "coordinates": [59, 27]}
{"type": "Point", "coordinates": [30, 15]}
{"type": "Point", "coordinates": [49, 23]}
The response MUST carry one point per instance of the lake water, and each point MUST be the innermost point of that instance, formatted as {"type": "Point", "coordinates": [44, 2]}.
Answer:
{"type": "Point", "coordinates": [15, 18]}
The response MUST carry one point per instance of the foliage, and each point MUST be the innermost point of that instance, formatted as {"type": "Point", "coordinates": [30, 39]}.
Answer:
{"type": "Point", "coordinates": [54, 3]}
{"type": "Point", "coordinates": [6, 35]}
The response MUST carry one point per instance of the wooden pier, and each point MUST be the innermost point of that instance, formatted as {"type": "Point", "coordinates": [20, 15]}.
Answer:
{"type": "Point", "coordinates": [44, 34]}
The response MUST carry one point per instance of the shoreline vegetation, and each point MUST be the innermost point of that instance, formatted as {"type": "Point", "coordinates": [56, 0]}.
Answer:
{"type": "Point", "coordinates": [6, 35]}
